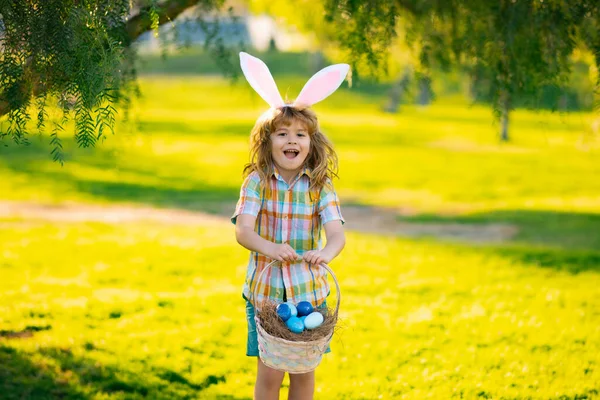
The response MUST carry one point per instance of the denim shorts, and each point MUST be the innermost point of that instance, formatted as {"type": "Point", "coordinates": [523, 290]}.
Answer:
{"type": "Point", "coordinates": [252, 343]}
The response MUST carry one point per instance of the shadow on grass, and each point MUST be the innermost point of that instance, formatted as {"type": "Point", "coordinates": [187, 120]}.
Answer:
{"type": "Point", "coordinates": [563, 260]}
{"type": "Point", "coordinates": [63, 375]}
{"type": "Point", "coordinates": [564, 241]}
{"type": "Point", "coordinates": [551, 239]}
{"type": "Point", "coordinates": [28, 331]}
{"type": "Point", "coordinates": [136, 181]}
{"type": "Point", "coordinates": [20, 378]}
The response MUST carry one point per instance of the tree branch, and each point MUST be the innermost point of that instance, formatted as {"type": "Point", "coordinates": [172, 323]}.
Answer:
{"type": "Point", "coordinates": [135, 26]}
{"type": "Point", "coordinates": [142, 22]}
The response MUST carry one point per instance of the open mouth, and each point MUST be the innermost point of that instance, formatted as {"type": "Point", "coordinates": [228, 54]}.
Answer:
{"type": "Point", "coordinates": [291, 154]}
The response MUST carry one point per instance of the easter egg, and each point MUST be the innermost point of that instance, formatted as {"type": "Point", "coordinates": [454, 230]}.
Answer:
{"type": "Point", "coordinates": [292, 308]}
{"type": "Point", "coordinates": [284, 312]}
{"type": "Point", "coordinates": [295, 324]}
{"type": "Point", "coordinates": [304, 308]}
{"type": "Point", "coordinates": [313, 320]}
{"type": "Point", "coordinates": [302, 318]}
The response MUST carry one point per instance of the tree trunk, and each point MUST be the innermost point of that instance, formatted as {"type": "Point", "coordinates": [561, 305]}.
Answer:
{"type": "Point", "coordinates": [425, 92]}
{"type": "Point", "coordinates": [395, 98]}
{"type": "Point", "coordinates": [597, 85]}
{"type": "Point", "coordinates": [317, 61]}
{"type": "Point", "coordinates": [504, 115]}
{"type": "Point", "coordinates": [396, 93]}
{"type": "Point", "coordinates": [474, 82]}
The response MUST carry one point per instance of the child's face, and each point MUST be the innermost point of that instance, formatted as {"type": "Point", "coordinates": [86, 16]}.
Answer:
{"type": "Point", "coordinates": [290, 145]}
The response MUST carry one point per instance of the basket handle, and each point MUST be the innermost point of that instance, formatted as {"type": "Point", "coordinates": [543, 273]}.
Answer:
{"type": "Point", "coordinates": [322, 265]}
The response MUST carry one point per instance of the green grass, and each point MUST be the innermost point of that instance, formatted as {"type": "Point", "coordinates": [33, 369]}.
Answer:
{"type": "Point", "coordinates": [133, 310]}
{"type": "Point", "coordinates": [139, 309]}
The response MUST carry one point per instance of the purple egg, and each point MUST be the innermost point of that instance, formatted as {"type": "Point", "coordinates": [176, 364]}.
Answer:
{"type": "Point", "coordinates": [304, 308]}
{"type": "Point", "coordinates": [284, 312]}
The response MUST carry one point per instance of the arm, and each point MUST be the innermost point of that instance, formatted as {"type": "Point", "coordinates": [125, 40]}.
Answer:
{"type": "Point", "coordinates": [247, 237]}
{"type": "Point", "coordinates": [336, 240]}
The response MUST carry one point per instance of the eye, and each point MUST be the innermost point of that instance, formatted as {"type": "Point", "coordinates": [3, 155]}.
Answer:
{"type": "Point", "coordinates": [281, 134]}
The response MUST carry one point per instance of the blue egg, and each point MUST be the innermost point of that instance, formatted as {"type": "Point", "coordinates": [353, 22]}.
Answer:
{"type": "Point", "coordinates": [295, 324]}
{"type": "Point", "coordinates": [284, 312]}
{"type": "Point", "coordinates": [304, 308]}
{"type": "Point", "coordinates": [313, 320]}
{"type": "Point", "coordinates": [292, 308]}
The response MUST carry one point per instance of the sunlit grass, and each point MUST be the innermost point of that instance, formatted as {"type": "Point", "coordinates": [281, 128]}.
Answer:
{"type": "Point", "coordinates": [144, 309]}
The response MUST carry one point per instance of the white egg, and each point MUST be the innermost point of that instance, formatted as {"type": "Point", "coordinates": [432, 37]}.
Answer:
{"type": "Point", "coordinates": [313, 320]}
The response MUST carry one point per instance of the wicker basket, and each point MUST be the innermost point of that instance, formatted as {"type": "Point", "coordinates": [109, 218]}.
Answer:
{"type": "Point", "coordinates": [288, 356]}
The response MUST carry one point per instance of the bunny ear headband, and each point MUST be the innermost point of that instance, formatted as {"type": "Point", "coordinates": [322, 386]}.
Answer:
{"type": "Point", "coordinates": [320, 86]}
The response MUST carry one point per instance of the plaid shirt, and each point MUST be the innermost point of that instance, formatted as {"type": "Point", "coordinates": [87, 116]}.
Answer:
{"type": "Point", "coordinates": [287, 214]}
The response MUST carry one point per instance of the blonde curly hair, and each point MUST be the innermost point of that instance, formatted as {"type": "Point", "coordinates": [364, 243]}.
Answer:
{"type": "Point", "coordinates": [322, 159]}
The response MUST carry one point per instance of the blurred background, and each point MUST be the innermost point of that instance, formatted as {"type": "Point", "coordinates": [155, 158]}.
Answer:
{"type": "Point", "coordinates": [469, 144]}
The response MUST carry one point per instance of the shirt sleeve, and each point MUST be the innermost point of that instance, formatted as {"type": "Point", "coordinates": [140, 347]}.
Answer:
{"type": "Point", "coordinates": [329, 205]}
{"type": "Point", "coordinates": [249, 202]}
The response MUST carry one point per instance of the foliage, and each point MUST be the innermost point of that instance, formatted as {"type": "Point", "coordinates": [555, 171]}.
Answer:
{"type": "Point", "coordinates": [69, 50]}
{"type": "Point", "coordinates": [77, 54]}
{"type": "Point", "coordinates": [517, 47]}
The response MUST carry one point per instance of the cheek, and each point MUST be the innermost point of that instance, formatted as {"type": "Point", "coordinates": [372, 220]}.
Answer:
{"type": "Point", "coordinates": [277, 141]}
{"type": "Point", "coordinates": [274, 145]}
{"type": "Point", "coordinates": [307, 144]}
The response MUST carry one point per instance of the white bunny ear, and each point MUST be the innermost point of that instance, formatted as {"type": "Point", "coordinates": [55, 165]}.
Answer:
{"type": "Point", "coordinates": [322, 84]}
{"type": "Point", "coordinates": [259, 77]}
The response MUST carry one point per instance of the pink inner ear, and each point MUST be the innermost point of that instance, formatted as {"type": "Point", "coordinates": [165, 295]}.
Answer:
{"type": "Point", "coordinates": [320, 87]}
{"type": "Point", "coordinates": [263, 79]}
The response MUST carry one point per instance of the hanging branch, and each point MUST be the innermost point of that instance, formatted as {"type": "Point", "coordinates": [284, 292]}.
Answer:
{"type": "Point", "coordinates": [143, 21]}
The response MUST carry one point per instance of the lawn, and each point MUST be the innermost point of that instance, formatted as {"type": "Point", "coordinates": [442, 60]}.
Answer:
{"type": "Point", "coordinates": [144, 309]}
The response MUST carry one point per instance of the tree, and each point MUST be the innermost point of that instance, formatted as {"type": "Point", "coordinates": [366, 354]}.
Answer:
{"type": "Point", "coordinates": [517, 45]}
{"type": "Point", "coordinates": [78, 54]}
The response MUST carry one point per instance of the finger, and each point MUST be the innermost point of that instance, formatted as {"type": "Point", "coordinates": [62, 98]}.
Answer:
{"type": "Point", "coordinates": [291, 252]}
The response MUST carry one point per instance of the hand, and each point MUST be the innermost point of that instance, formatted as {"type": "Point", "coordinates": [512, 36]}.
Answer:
{"type": "Point", "coordinates": [282, 252]}
{"type": "Point", "coordinates": [316, 257]}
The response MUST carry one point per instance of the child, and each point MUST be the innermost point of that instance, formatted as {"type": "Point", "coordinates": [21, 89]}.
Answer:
{"type": "Point", "coordinates": [285, 200]}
